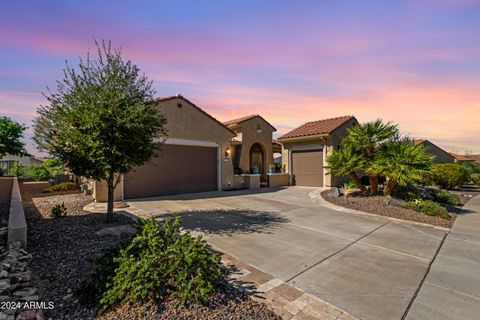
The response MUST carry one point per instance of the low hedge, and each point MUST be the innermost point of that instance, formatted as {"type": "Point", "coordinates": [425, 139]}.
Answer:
{"type": "Point", "coordinates": [449, 175]}
{"type": "Point", "coordinates": [428, 207]}
{"type": "Point", "coordinates": [64, 186]}
{"type": "Point", "coordinates": [443, 196]}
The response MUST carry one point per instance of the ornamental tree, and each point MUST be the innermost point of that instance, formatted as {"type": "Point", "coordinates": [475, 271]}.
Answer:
{"type": "Point", "coordinates": [101, 120]}
{"type": "Point", "coordinates": [11, 133]}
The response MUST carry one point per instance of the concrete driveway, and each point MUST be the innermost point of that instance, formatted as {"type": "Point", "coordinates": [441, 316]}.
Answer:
{"type": "Point", "coordinates": [368, 266]}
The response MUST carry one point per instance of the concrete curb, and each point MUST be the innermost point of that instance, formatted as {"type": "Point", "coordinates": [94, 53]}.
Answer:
{"type": "Point", "coordinates": [17, 224]}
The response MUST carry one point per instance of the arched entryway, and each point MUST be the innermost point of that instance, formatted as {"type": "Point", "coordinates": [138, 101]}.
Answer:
{"type": "Point", "coordinates": [257, 161]}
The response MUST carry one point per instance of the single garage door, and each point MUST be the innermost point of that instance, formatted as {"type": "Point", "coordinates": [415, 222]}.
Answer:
{"type": "Point", "coordinates": [307, 168]}
{"type": "Point", "coordinates": [178, 169]}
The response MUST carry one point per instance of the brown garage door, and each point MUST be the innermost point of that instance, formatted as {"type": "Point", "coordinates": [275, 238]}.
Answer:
{"type": "Point", "coordinates": [179, 169]}
{"type": "Point", "coordinates": [307, 168]}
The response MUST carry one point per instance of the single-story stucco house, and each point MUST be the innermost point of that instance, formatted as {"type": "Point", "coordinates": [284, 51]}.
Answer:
{"type": "Point", "coordinates": [200, 154]}
{"type": "Point", "coordinates": [440, 155]}
{"type": "Point", "coordinates": [463, 158]}
{"type": "Point", "coordinates": [306, 148]}
{"type": "Point", "coordinates": [9, 161]}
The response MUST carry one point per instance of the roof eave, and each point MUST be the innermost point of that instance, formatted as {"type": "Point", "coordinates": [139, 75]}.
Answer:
{"type": "Point", "coordinates": [303, 138]}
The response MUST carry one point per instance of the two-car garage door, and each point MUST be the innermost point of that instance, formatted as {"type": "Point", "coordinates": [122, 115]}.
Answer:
{"type": "Point", "coordinates": [178, 169]}
{"type": "Point", "coordinates": [307, 168]}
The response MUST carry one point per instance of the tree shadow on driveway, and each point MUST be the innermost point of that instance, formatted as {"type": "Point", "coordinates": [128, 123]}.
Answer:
{"type": "Point", "coordinates": [229, 222]}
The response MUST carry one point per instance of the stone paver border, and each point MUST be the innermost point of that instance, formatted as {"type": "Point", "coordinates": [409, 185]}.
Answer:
{"type": "Point", "coordinates": [284, 299]}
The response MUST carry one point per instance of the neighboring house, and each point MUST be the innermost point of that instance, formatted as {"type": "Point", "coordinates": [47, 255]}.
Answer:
{"type": "Point", "coordinates": [194, 158]}
{"type": "Point", "coordinates": [251, 149]}
{"type": "Point", "coordinates": [462, 158]}
{"type": "Point", "coordinates": [440, 155]}
{"type": "Point", "coordinates": [306, 148]}
{"type": "Point", "coordinates": [475, 157]}
{"type": "Point", "coordinates": [9, 161]}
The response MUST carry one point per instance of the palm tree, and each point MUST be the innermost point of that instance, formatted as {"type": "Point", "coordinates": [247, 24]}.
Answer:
{"type": "Point", "coordinates": [347, 162]}
{"type": "Point", "coordinates": [367, 138]}
{"type": "Point", "coordinates": [401, 162]}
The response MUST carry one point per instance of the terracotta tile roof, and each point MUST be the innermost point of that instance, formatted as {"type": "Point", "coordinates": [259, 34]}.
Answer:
{"type": "Point", "coordinates": [196, 107]}
{"type": "Point", "coordinates": [418, 141]}
{"type": "Point", "coordinates": [235, 122]}
{"type": "Point", "coordinates": [239, 120]}
{"type": "Point", "coordinates": [460, 157]}
{"type": "Point", "coordinates": [312, 128]}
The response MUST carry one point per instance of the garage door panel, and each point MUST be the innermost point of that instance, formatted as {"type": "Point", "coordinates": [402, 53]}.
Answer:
{"type": "Point", "coordinates": [178, 169]}
{"type": "Point", "coordinates": [307, 168]}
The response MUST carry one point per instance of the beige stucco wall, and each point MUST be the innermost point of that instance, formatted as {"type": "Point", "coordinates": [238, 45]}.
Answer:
{"type": "Point", "coordinates": [185, 123]}
{"type": "Point", "coordinates": [278, 179]}
{"type": "Point", "coordinates": [250, 136]}
{"type": "Point", "coordinates": [440, 155]}
{"type": "Point", "coordinates": [100, 192]}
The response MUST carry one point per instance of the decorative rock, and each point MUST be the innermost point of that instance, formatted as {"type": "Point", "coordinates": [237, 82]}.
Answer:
{"type": "Point", "coordinates": [31, 315]}
{"type": "Point", "coordinates": [25, 292]}
{"type": "Point", "coordinates": [117, 231]}
{"type": "Point", "coordinates": [14, 245]}
{"type": "Point", "coordinates": [3, 274]}
{"type": "Point", "coordinates": [18, 267]}
{"type": "Point", "coordinates": [30, 298]}
{"type": "Point", "coordinates": [21, 276]}
{"type": "Point", "coordinates": [6, 266]}
{"type": "Point", "coordinates": [68, 296]}
{"type": "Point", "coordinates": [25, 257]}
{"type": "Point", "coordinates": [4, 286]}
{"type": "Point", "coordinates": [335, 192]}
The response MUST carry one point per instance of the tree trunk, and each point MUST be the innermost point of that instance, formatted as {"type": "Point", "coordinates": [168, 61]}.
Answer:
{"type": "Point", "coordinates": [373, 184]}
{"type": "Point", "coordinates": [111, 189]}
{"type": "Point", "coordinates": [357, 181]}
{"type": "Point", "coordinates": [389, 187]}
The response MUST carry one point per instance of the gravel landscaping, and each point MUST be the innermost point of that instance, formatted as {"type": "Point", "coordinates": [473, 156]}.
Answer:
{"type": "Point", "coordinates": [378, 205]}
{"type": "Point", "coordinates": [62, 249]}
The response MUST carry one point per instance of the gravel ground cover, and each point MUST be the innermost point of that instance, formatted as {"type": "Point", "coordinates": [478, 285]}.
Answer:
{"type": "Point", "coordinates": [378, 205]}
{"type": "Point", "coordinates": [62, 248]}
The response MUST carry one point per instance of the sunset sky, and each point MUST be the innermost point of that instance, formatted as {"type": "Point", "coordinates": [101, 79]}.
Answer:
{"type": "Point", "coordinates": [416, 63]}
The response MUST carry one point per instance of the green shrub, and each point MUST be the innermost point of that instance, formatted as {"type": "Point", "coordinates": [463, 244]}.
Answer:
{"type": "Point", "coordinates": [475, 178]}
{"type": "Point", "coordinates": [350, 184]}
{"type": "Point", "coordinates": [91, 290]}
{"type": "Point", "coordinates": [58, 210]}
{"type": "Point", "coordinates": [38, 172]}
{"type": "Point", "coordinates": [158, 263]}
{"type": "Point", "coordinates": [428, 207]}
{"type": "Point", "coordinates": [17, 170]}
{"type": "Point", "coordinates": [64, 186]}
{"type": "Point", "coordinates": [443, 196]}
{"type": "Point", "coordinates": [472, 167]}
{"type": "Point", "coordinates": [449, 175]}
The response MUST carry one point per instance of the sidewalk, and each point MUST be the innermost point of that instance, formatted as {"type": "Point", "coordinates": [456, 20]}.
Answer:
{"type": "Point", "coordinates": [452, 288]}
